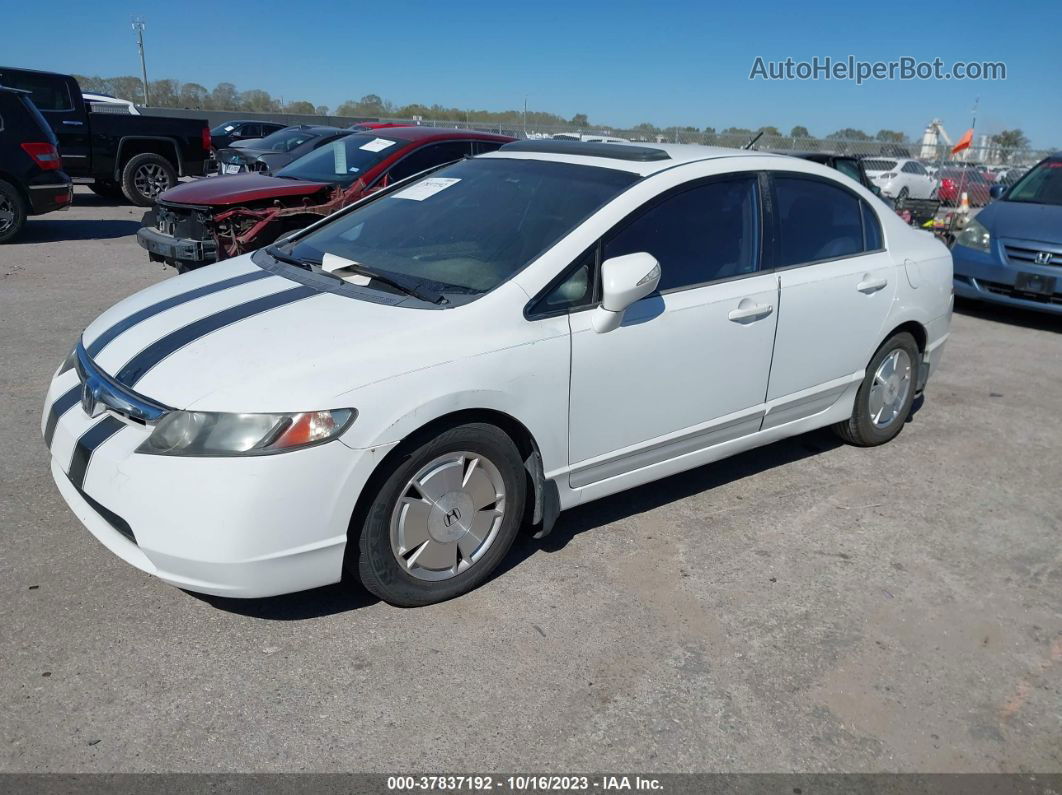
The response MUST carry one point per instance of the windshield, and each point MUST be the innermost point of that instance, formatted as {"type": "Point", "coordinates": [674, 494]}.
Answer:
{"type": "Point", "coordinates": [223, 129]}
{"type": "Point", "coordinates": [879, 165]}
{"type": "Point", "coordinates": [285, 140]}
{"type": "Point", "coordinates": [1042, 185]}
{"type": "Point", "coordinates": [470, 226]}
{"type": "Point", "coordinates": [343, 161]}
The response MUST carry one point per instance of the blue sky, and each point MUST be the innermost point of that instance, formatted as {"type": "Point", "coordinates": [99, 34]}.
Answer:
{"type": "Point", "coordinates": [671, 63]}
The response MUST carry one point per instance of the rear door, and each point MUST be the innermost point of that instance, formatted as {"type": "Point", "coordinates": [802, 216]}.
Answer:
{"type": "Point", "coordinates": [59, 100]}
{"type": "Point", "coordinates": [837, 284]}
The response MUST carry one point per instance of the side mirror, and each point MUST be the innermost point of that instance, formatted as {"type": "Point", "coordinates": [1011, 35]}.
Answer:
{"type": "Point", "coordinates": [997, 191]}
{"type": "Point", "coordinates": [624, 280]}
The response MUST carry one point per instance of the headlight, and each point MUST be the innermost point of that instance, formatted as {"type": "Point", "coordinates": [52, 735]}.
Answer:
{"type": "Point", "coordinates": [204, 433]}
{"type": "Point", "coordinates": [974, 236]}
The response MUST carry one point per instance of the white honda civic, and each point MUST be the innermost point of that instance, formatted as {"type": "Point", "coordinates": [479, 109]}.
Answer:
{"type": "Point", "coordinates": [399, 388]}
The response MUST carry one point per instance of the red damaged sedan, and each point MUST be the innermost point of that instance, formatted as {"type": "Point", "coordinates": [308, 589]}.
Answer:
{"type": "Point", "coordinates": [201, 222]}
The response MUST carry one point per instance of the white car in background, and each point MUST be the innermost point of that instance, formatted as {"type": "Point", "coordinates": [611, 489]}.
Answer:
{"type": "Point", "coordinates": [400, 387]}
{"type": "Point", "coordinates": [899, 178]}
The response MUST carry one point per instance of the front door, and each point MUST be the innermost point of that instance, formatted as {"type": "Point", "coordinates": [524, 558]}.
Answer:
{"type": "Point", "coordinates": [688, 367]}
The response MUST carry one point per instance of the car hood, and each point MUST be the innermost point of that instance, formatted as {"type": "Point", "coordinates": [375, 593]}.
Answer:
{"type": "Point", "coordinates": [238, 189]}
{"type": "Point", "coordinates": [233, 337]}
{"type": "Point", "coordinates": [1023, 220]}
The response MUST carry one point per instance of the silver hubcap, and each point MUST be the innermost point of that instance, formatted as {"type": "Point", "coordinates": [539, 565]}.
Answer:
{"type": "Point", "coordinates": [447, 516]}
{"type": "Point", "coordinates": [150, 180]}
{"type": "Point", "coordinates": [7, 214]}
{"type": "Point", "coordinates": [888, 392]}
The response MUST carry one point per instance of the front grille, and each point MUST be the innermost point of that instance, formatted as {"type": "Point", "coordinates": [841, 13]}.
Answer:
{"type": "Point", "coordinates": [1009, 291]}
{"type": "Point", "coordinates": [1021, 255]}
{"type": "Point", "coordinates": [186, 223]}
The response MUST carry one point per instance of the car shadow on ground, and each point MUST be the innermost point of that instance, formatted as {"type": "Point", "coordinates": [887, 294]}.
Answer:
{"type": "Point", "coordinates": [654, 495]}
{"type": "Point", "coordinates": [53, 230]}
{"type": "Point", "coordinates": [1015, 316]}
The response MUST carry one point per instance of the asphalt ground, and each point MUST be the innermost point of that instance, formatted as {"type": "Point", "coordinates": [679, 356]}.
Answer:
{"type": "Point", "coordinates": [808, 606]}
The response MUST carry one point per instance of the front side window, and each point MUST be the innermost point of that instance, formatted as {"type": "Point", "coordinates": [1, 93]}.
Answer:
{"type": "Point", "coordinates": [428, 157]}
{"type": "Point", "coordinates": [850, 168]}
{"type": "Point", "coordinates": [47, 92]}
{"type": "Point", "coordinates": [816, 220]}
{"type": "Point", "coordinates": [470, 226]}
{"type": "Point", "coordinates": [702, 234]}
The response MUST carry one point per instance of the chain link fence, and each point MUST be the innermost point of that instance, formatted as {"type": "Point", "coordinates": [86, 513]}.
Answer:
{"type": "Point", "coordinates": [931, 152]}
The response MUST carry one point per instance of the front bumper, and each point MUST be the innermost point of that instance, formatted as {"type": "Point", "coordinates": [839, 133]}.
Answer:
{"type": "Point", "coordinates": [989, 276]}
{"type": "Point", "coordinates": [176, 251]}
{"type": "Point", "coordinates": [238, 527]}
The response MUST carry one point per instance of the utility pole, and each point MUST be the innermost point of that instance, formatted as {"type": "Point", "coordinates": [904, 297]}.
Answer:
{"type": "Point", "coordinates": [525, 115]}
{"type": "Point", "coordinates": [138, 26]}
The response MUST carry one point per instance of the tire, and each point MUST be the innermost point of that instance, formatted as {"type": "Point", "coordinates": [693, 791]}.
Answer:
{"type": "Point", "coordinates": [420, 531]}
{"type": "Point", "coordinates": [107, 189]}
{"type": "Point", "coordinates": [145, 177]}
{"type": "Point", "coordinates": [861, 429]}
{"type": "Point", "coordinates": [13, 211]}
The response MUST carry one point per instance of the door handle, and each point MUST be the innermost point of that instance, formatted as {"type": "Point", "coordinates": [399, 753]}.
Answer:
{"type": "Point", "coordinates": [73, 123]}
{"type": "Point", "coordinates": [754, 312]}
{"type": "Point", "coordinates": [869, 286]}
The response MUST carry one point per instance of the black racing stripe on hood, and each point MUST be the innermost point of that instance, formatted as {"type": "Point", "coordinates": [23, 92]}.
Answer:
{"type": "Point", "coordinates": [141, 315]}
{"type": "Point", "coordinates": [86, 446]}
{"type": "Point", "coordinates": [137, 367]}
{"type": "Point", "coordinates": [61, 406]}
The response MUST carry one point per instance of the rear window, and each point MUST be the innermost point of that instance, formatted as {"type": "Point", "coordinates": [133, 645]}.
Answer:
{"type": "Point", "coordinates": [285, 140]}
{"type": "Point", "coordinates": [879, 165]}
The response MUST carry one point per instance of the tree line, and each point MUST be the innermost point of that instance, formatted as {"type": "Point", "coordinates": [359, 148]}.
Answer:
{"type": "Point", "coordinates": [169, 93]}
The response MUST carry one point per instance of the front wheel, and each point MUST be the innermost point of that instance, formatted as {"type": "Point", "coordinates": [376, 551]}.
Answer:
{"type": "Point", "coordinates": [145, 177]}
{"type": "Point", "coordinates": [884, 399]}
{"type": "Point", "coordinates": [443, 518]}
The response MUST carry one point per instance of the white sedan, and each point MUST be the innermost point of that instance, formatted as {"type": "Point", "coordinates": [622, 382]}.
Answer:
{"type": "Point", "coordinates": [398, 389]}
{"type": "Point", "coordinates": [901, 178]}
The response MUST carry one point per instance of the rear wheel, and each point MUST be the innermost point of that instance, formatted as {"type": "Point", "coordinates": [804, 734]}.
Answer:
{"type": "Point", "coordinates": [12, 211]}
{"type": "Point", "coordinates": [145, 177]}
{"type": "Point", "coordinates": [443, 518]}
{"type": "Point", "coordinates": [883, 402]}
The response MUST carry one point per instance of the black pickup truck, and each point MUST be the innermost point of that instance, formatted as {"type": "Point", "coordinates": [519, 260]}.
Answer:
{"type": "Point", "coordinates": [138, 156]}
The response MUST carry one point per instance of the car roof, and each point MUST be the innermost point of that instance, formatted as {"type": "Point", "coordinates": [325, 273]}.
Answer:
{"type": "Point", "coordinates": [645, 160]}
{"type": "Point", "coordinates": [432, 134]}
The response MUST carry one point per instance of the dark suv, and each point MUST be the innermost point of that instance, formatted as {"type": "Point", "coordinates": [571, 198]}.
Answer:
{"type": "Point", "coordinates": [32, 180]}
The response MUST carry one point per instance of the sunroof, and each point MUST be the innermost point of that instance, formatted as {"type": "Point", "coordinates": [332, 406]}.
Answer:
{"type": "Point", "coordinates": [642, 154]}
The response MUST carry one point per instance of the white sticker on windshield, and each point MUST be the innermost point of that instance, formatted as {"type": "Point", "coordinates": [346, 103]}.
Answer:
{"type": "Point", "coordinates": [229, 128]}
{"type": "Point", "coordinates": [426, 187]}
{"type": "Point", "coordinates": [377, 145]}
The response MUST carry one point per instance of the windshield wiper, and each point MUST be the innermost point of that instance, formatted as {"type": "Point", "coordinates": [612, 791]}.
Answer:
{"type": "Point", "coordinates": [430, 296]}
{"type": "Point", "coordinates": [277, 254]}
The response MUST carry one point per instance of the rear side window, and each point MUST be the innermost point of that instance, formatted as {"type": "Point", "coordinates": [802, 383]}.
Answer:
{"type": "Point", "coordinates": [816, 221]}
{"type": "Point", "coordinates": [479, 147]}
{"type": "Point", "coordinates": [871, 229]}
{"type": "Point", "coordinates": [850, 168]}
{"type": "Point", "coordinates": [47, 92]}
{"type": "Point", "coordinates": [702, 234]}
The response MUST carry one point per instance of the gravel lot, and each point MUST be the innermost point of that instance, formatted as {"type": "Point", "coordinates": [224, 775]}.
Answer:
{"type": "Point", "coordinates": [804, 607]}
